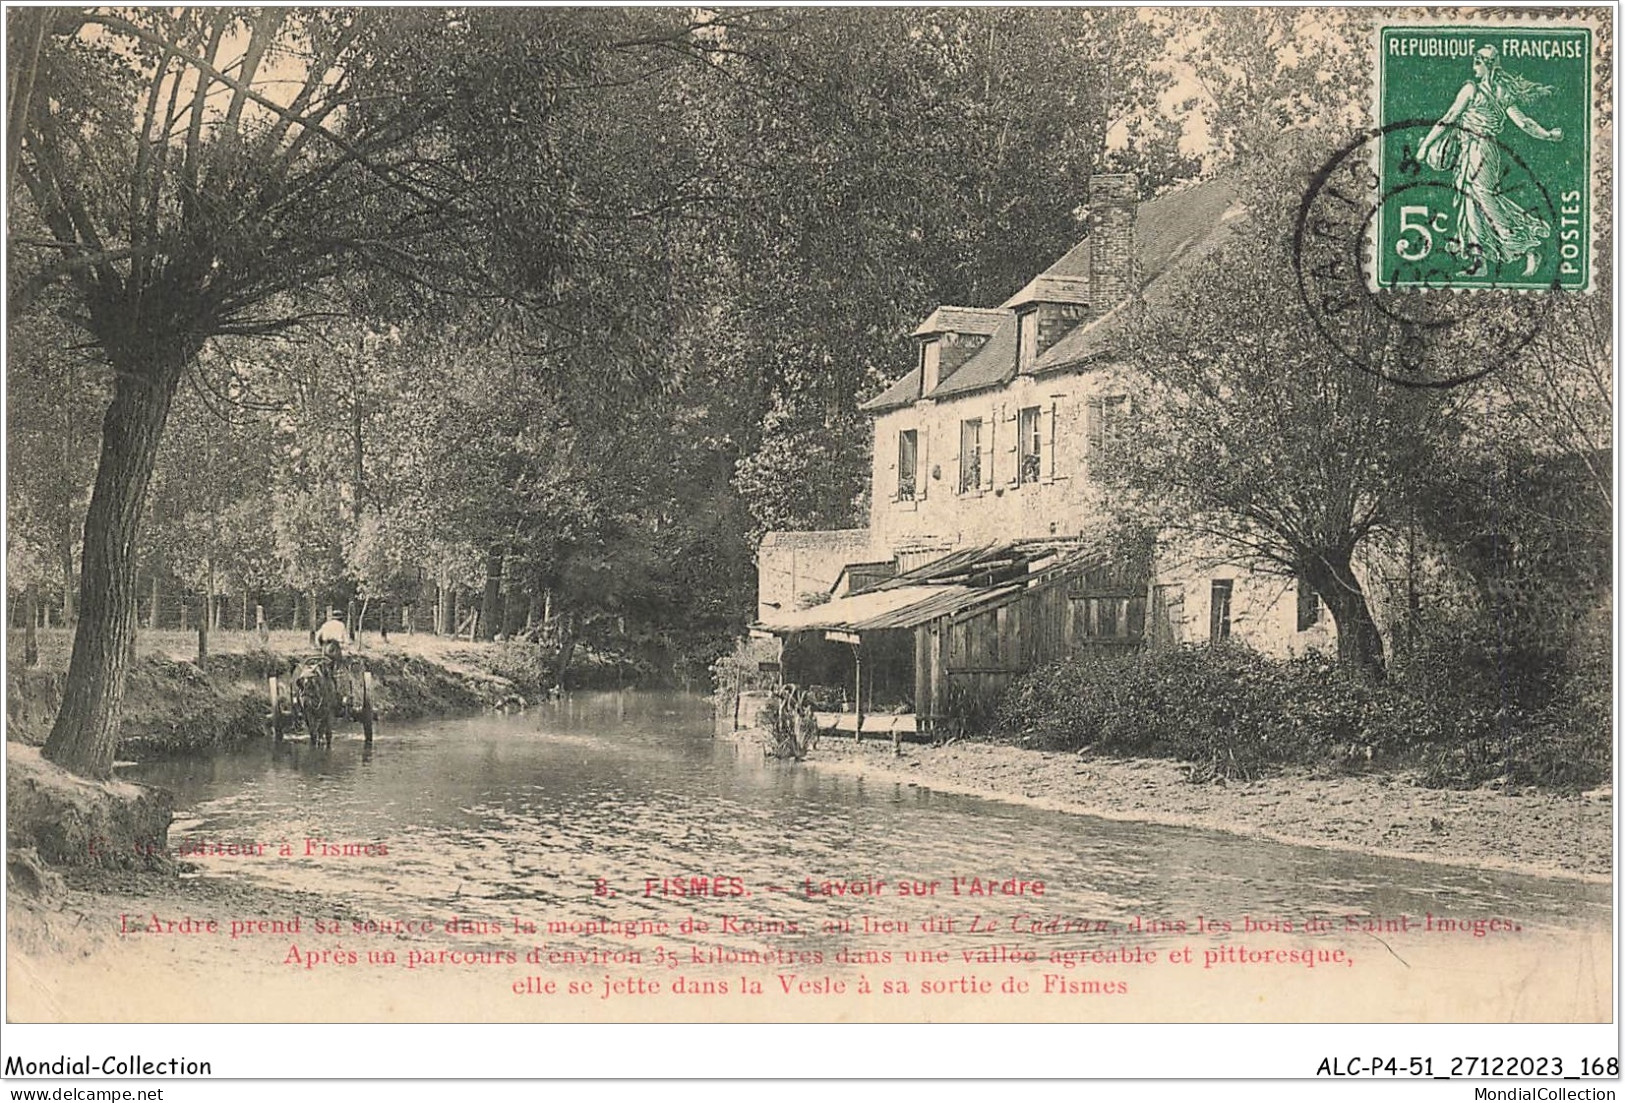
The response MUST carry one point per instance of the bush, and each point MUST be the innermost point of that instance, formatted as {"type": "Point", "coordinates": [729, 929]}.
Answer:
{"type": "Point", "coordinates": [1231, 712]}
{"type": "Point", "coordinates": [1509, 709]}
{"type": "Point", "coordinates": [740, 669]}
{"type": "Point", "coordinates": [532, 668]}
{"type": "Point", "coordinates": [1235, 714]}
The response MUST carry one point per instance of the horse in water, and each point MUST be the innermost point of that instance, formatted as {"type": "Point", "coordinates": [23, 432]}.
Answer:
{"type": "Point", "coordinates": [316, 692]}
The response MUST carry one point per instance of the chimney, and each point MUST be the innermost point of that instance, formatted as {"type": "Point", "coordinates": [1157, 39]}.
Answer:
{"type": "Point", "coordinates": [1112, 202]}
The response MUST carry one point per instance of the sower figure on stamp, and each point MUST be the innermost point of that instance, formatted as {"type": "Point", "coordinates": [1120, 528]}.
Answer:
{"type": "Point", "coordinates": [1490, 229]}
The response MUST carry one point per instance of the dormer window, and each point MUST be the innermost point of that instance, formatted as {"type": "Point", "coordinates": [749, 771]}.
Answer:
{"type": "Point", "coordinates": [930, 365]}
{"type": "Point", "coordinates": [1026, 339]}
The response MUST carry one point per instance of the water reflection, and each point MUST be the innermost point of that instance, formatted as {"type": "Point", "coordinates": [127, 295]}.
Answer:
{"type": "Point", "coordinates": [610, 808]}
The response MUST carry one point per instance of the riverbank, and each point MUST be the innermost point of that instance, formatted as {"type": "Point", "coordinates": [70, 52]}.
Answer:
{"type": "Point", "coordinates": [498, 819]}
{"type": "Point", "coordinates": [82, 853]}
{"type": "Point", "coordinates": [174, 704]}
{"type": "Point", "coordinates": [1528, 831]}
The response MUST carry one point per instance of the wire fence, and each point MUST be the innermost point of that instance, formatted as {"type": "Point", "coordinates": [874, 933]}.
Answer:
{"type": "Point", "coordinates": [258, 615]}
{"type": "Point", "coordinates": [249, 612]}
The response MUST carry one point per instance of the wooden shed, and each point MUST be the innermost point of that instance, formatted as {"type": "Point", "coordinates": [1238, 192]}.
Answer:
{"type": "Point", "coordinates": [962, 626]}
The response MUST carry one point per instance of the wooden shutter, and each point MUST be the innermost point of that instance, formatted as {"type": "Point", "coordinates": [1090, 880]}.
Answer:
{"type": "Point", "coordinates": [922, 452]}
{"type": "Point", "coordinates": [989, 435]}
{"type": "Point", "coordinates": [1095, 426]}
{"type": "Point", "coordinates": [1013, 421]}
{"type": "Point", "coordinates": [892, 470]}
{"type": "Point", "coordinates": [1046, 446]}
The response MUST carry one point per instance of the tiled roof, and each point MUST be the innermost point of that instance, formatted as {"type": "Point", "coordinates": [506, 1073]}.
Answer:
{"type": "Point", "coordinates": [1050, 289]}
{"type": "Point", "coordinates": [900, 393]}
{"type": "Point", "coordinates": [960, 319]}
{"type": "Point", "coordinates": [993, 364]}
{"type": "Point", "coordinates": [1168, 227]}
{"type": "Point", "coordinates": [1168, 235]}
{"type": "Point", "coordinates": [1065, 281]}
{"type": "Point", "coordinates": [1170, 232]}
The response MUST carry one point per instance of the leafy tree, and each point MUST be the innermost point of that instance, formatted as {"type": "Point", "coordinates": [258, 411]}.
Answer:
{"type": "Point", "coordinates": [273, 151]}
{"type": "Point", "coordinates": [1251, 438]}
{"type": "Point", "coordinates": [940, 161]}
{"type": "Point", "coordinates": [53, 390]}
{"type": "Point", "coordinates": [1268, 72]}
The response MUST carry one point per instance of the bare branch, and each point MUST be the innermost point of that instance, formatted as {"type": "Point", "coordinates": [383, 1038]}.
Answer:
{"type": "Point", "coordinates": [124, 26]}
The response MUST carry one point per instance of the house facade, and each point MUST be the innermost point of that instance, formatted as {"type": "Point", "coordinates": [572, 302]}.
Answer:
{"type": "Point", "coordinates": [992, 436]}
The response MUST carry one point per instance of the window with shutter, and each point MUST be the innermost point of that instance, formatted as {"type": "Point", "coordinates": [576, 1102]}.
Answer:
{"type": "Point", "coordinates": [1029, 446]}
{"type": "Point", "coordinates": [1219, 611]}
{"type": "Point", "coordinates": [930, 366]}
{"type": "Point", "coordinates": [1107, 420]}
{"type": "Point", "coordinates": [908, 459]}
{"type": "Point", "coordinates": [970, 455]}
{"type": "Point", "coordinates": [1115, 409]}
{"type": "Point", "coordinates": [1026, 339]}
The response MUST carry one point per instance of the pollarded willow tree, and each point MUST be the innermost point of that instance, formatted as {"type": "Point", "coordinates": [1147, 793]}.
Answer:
{"type": "Point", "coordinates": [189, 176]}
{"type": "Point", "coordinates": [1253, 439]}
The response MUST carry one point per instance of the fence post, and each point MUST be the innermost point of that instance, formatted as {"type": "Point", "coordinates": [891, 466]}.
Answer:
{"type": "Point", "coordinates": [857, 689]}
{"type": "Point", "coordinates": [30, 639]}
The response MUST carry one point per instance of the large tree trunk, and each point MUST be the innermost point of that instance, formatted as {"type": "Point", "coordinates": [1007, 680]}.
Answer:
{"type": "Point", "coordinates": [85, 734]}
{"type": "Point", "coordinates": [1359, 643]}
{"type": "Point", "coordinates": [491, 605]}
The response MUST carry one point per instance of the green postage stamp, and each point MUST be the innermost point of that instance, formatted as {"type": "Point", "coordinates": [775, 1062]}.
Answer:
{"type": "Point", "coordinates": [1484, 166]}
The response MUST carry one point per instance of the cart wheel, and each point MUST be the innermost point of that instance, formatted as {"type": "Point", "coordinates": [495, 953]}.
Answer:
{"type": "Point", "coordinates": [279, 718]}
{"type": "Point", "coordinates": [366, 705]}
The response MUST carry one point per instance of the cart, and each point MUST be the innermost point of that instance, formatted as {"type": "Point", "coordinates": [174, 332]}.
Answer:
{"type": "Point", "coordinates": [317, 692]}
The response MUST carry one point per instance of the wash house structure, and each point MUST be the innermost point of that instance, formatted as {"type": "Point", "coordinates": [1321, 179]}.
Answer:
{"type": "Point", "coordinates": [991, 548]}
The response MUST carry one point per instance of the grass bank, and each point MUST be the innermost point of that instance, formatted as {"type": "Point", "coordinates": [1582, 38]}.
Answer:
{"type": "Point", "coordinates": [176, 704]}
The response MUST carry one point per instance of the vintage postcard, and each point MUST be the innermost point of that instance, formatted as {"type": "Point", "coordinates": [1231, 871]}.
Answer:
{"type": "Point", "coordinates": [858, 515]}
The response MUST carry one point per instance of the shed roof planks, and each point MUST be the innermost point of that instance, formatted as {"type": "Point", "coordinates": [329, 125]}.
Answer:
{"type": "Point", "coordinates": [879, 610]}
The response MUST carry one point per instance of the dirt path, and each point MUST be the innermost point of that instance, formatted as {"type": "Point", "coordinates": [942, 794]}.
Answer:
{"type": "Point", "coordinates": [1528, 831]}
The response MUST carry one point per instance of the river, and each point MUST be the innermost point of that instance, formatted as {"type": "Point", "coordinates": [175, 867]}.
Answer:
{"type": "Point", "coordinates": [639, 845]}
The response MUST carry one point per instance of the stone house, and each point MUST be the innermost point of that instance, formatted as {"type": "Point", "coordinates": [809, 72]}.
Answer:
{"type": "Point", "coordinates": [990, 437]}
